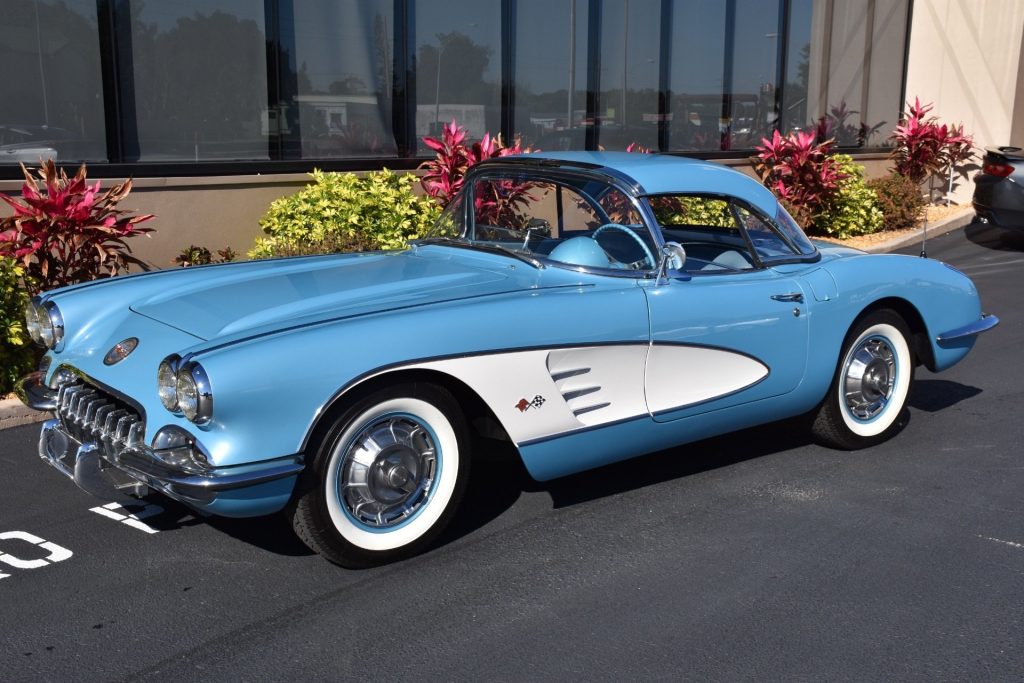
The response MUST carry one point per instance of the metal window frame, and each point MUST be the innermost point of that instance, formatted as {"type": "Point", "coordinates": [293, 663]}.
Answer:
{"type": "Point", "coordinates": [120, 120]}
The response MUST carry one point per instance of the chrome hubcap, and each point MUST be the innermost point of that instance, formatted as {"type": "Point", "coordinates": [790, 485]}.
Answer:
{"type": "Point", "coordinates": [388, 471]}
{"type": "Point", "coordinates": [869, 378]}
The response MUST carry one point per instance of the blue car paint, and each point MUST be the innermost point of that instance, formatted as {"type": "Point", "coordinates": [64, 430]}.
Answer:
{"type": "Point", "coordinates": [281, 338]}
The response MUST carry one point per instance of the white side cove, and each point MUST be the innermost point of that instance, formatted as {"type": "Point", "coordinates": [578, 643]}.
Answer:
{"type": "Point", "coordinates": [544, 393]}
{"type": "Point", "coordinates": [679, 376]}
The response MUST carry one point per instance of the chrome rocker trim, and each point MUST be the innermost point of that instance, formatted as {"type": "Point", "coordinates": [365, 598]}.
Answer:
{"type": "Point", "coordinates": [984, 324]}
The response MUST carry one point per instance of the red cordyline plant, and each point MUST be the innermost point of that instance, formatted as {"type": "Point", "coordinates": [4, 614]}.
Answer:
{"type": "Point", "coordinates": [64, 231]}
{"type": "Point", "coordinates": [923, 146]}
{"type": "Point", "coordinates": [799, 171]}
{"type": "Point", "coordinates": [446, 172]}
{"type": "Point", "coordinates": [835, 126]}
{"type": "Point", "coordinates": [497, 202]}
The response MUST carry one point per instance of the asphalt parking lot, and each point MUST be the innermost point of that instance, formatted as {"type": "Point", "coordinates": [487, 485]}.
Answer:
{"type": "Point", "coordinates": [756, 556]}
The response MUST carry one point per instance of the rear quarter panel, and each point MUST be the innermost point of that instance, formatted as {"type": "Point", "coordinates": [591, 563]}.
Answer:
{"type": "Point", "coordinates": [944, 298]}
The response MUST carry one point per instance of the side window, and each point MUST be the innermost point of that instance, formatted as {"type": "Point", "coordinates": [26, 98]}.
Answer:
{"type": "Point", "coordinates": [504, 206]}
{"type": "Point", "coordinates": [765, 238]}
{"type": "Point", "coordinates": [708, 230]}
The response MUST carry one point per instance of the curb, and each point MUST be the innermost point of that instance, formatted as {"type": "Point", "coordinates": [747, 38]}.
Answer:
{"type": "Point", "coordinates": [14, 413]}
{"type": "Point", "coordinates": [947, 224]}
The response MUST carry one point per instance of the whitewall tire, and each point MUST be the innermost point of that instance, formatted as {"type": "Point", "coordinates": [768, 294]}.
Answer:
{"type": "Point", "coordinates": [866, 403]}
{"type": "Point", "coordinates": [386, 477]}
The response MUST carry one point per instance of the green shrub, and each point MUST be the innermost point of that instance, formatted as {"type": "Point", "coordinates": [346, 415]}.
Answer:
{"type": "Point", "coordinates": [345, 212]}
{"type": "Point", "coordinates": [682, 210]}
{"type": "Point", "coordinates": [17, 353]}
{"type": "Point", "coordinates": [900, 200]}
{"type": "Point", "coordinates": [201, 256]}
{"type": "Point", "coordinates": [853, 210]}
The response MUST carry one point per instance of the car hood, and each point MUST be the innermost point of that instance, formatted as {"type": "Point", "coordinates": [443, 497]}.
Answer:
{"type": "Point", "coordinates": [227, 300]}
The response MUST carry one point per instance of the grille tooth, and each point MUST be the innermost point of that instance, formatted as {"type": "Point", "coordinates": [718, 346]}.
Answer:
{"type": "Point", "coordinates": [91, 415]}
{"type": "Point", "coordinates": [124, 425]}
{"type": "Point", "coordinates": [93, 408]}
{"type": "Point", "coordinates": [100, 419]}
{"type": "Point", "coordinates": [77, 401]}
{"type": "Point", "coordinates": [69, 397]}
{"type": "Point", "coordinates": [135, 433]}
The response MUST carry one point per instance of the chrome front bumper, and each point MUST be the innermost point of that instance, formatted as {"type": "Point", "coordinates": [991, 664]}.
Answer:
{"type": "Point", "coordinates": [983, 324]}
{"type": "Point", "coordinates": [96, 440]}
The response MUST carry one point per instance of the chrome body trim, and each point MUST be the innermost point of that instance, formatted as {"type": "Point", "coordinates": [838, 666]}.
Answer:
{"type": "Point", "coordinates": [34, 393]}
{"type": "Point", "coordinates": [984, 324]}
{"type": "Point", "coordinates": [97, 440]}
{"type": "Point", "coordinates": [57, 323]}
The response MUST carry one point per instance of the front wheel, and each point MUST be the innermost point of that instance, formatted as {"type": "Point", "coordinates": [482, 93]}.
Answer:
{"type": "Point", "coordinates": [866, 403]}
{"type": "Point", "coordinates": [386, 477]}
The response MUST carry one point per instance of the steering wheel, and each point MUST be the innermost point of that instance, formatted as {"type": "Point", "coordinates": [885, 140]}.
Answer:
{"type": "Point", "coordinates": [635, 265]}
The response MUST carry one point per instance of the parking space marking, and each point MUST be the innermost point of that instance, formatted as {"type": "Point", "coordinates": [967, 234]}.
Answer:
{"type": "Point", "coordinates": [999, 540]}
{"type": "Point", "coordinates": [132, 519]}
{"type": "Point", "coordinates": [57, 553]}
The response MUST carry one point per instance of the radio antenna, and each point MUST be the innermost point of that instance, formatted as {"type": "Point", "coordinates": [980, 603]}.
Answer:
{"type": "Point", "coordinates": [924, 235]}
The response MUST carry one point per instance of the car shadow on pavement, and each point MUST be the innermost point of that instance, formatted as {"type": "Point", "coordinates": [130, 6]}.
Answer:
{"type": "Point", "coordinates": [497, 482]}
{"type": "Point", "coordinates": [272, 533]}
{"type": "Point", "coordinates": [994, 237]}
{"type": "Point", "coordinates": [933, 395]}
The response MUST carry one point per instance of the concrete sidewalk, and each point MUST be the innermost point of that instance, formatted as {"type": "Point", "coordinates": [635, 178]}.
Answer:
{"type": "Point", "coordinates": [13, 413]}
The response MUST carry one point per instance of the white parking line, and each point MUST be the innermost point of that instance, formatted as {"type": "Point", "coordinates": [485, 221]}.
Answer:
{"type": "Point", "coordinates": [131, 519]}
{"type": "Point", "coordinates": [999, 540]}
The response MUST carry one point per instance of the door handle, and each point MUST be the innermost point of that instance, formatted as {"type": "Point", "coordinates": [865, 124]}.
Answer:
{"type": "Point", "coordinates": [792, 297]}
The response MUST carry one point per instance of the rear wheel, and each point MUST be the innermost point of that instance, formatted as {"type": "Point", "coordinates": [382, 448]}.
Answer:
{"type": "Point", "coordinates": [866, 403]}
{"type": "Point", "coordinates": [386, 477]}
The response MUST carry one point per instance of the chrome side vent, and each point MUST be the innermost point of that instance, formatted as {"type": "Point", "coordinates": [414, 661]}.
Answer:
{"type": "Point", "coordinates": [580, 391]}
{"type": "Point", "coordinates": [589, 409]}
{"type": "Point", "coordinates": [566, 374]}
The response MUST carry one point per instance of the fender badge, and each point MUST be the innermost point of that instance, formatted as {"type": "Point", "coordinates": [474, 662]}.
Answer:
{"type": "Point", "coordinates": [525, 405]}
{"type": "Point", "coordinates": [121, 350]}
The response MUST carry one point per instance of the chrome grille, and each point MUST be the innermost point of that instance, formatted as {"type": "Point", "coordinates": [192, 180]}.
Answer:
{"type": "Point", "coordinates": [90, 415]}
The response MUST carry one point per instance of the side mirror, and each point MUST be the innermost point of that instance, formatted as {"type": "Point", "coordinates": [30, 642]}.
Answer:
{"type": "Point", "coordinates": [673, 257]}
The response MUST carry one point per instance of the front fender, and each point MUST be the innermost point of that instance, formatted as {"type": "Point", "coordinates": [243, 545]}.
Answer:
{"type": "Point", "coordinates": [269, 391]}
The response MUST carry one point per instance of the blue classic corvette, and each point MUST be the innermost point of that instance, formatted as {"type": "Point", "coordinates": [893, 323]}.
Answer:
{"type": "Point", "coordinates": [587, 307]}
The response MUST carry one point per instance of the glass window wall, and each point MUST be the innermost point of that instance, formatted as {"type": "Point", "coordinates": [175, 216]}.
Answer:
{"type": "Point", "coordinates": [458, 66]}
{"type": "Point", "coordinates": [199, 70]}
{"type": "Point", "coordinates": [339, 81]}
{"type": "Point", "coordinates": [52, 104]}
{"type": "Point", "coordinates": [343, 59]}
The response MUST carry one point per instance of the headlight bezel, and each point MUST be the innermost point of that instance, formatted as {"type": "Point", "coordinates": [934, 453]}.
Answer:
{"type": "Point", "coordinates": [190, 379]}
{"type": "Point", "coordinates": [167, 387]}
{"type": "Point", "coordinates": [45, 324]}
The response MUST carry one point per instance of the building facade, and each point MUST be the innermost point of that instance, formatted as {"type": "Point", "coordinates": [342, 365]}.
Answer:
{"type": "Point", "coordinates": [216, 107]}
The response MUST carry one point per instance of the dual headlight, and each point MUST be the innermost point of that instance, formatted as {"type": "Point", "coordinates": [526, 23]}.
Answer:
{"type": "Point", "coordinates": [185, 389]}
{"type": "Point", "coordinates": [45, 324]}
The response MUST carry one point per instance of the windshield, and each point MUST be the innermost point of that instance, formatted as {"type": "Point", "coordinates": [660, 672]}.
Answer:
{"type": "Point", "coordinates": [579, 222]}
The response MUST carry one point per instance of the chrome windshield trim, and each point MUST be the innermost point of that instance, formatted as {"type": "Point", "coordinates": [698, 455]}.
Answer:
{"type": "Point", "coordinates": [984, 324]}
{"type": "Point", "coordinates": [480, 246]}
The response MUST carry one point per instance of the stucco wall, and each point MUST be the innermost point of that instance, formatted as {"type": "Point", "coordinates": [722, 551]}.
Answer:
{"type": "Point", "coordinates": [211, 212]}
{"type": "Point", "coordinates": [965, 56]}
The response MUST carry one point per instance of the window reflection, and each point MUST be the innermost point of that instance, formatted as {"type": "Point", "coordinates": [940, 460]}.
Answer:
{"type": "Point", "coordinates": [52, 105]}
{"type": "Point", "coordinates": [343, 61]}
{"type": "Point", "coordinates": [200, 79]}
{"type": "Point", "coordinates": [458, 66]}
{"type": "Point", "coordinates": [551, 73]}
{"type": "Point", "coordinates": [628, 106]}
